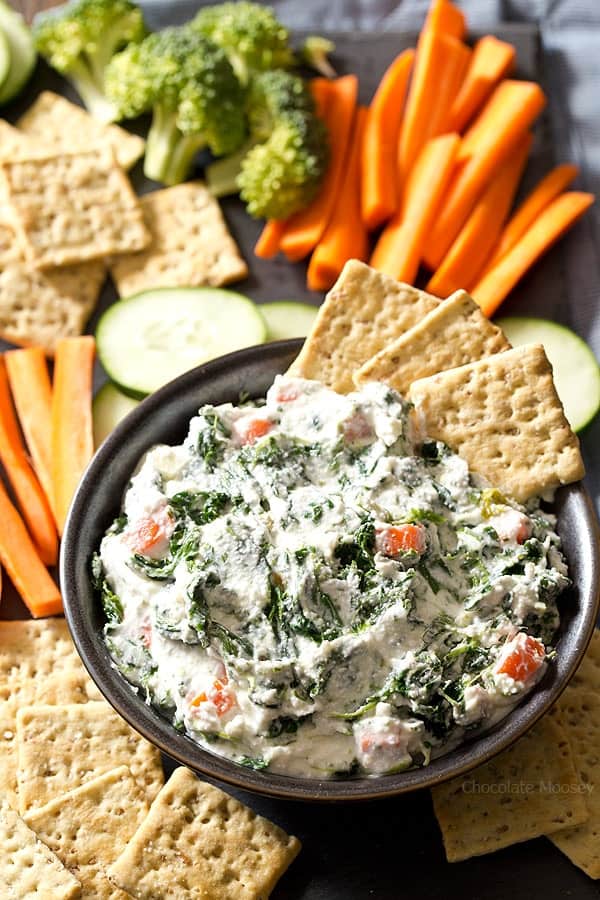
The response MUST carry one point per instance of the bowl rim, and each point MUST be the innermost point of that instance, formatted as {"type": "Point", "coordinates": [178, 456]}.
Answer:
{"type": "Point", "coordinates": [159, 730]}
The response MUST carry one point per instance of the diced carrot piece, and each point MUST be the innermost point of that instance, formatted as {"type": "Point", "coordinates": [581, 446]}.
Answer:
{"type": "Point", "coordinates": [524, 657]}
{"type": "Point", "coordinates": [399, 539]}
{"type": "Point", "coordinates": [250, 430]}
{"type": "Point", "coordinates": [467, 255]}
{"type": "Point", "coordinates": [379, 197]}
{"type": "Point", "coordinates": [492, 59]}
{"type": "Point", "coordinates": [550, 225]}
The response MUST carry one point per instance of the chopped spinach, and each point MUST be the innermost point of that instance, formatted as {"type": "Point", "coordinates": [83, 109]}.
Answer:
{"type": "Point", "coordinates": [113, 608]}
{"type": "Point", "coordinates": [199, 506]}
{"type": "Point", "coordinates": [253, 762]}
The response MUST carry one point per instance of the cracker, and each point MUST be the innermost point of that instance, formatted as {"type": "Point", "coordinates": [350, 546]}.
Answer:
{"type": "Point", "coordinates": [587, 675]}
{"type": "Point", "coordinates": [454, 333]}
{"type": "Point", "coordinates": [191, 244]}
{"type": "Point", "coordinates": [199, 842]}
{"type": "Point", "coordinates": [504, 417]}
{"type": "Point", "coordinates": [69, 687]}
{"type": "Point", "coordinates": [8, 751]}
{"type": "Point", "coordinates": [61, 125]}
{"type": "Point", "coordinates": [73, 207]}
{"type": "Point", "coordinates": [13, 143]}
{"type": "Point", "coordinates": [362, 313]}
{"type": "Point", "coordinates": [62, 747]}
{"type": "Point", "coordinates": [28, 868]}
{"type": "Point", "coordinates": [520, 794]}
{"type": "Point", "coordinates": [36, 650]}
{"type": "Point", "coordinates": [88, 826]}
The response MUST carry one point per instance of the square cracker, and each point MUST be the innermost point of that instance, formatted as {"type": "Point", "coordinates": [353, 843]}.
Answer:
{"type": "Point", "coordinates": [454, 333]}
{"type": "Point", "coordinates": [8, 751]}
{"type": "Point", "coordinates": [38, 308]}
{"type": "Point", "coordinates": [191, 244]}
{"type": "Point", "coordinates": [61, 125]}
{"type": "Point", "coordinates": [504, 417]}
{"type": "Point", "coordinates": [587, 676]}
{"type": "Point", "coordinates": [69, 687]}
{"type": "Point", "coordinates": [32, 649]}
{"type": "Point", "coordinates": [73, 207]}
{"type": "Point", "coordinates": [362, 313]}
{"type": "Point", "coordinates": [578, 712]}
{"type": "Point", "coordinates": [63, 747]}
{"type": "Point", "coordinates": [28, 868]}
{"type": "Point", "coordinates": [199, 842]}
{"type": "Point", "coordinates": [88, 826]}
{"type": "Point", "coordinates": [505, 801]}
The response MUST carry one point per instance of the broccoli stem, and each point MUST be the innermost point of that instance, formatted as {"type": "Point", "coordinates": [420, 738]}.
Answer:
{"type": "Point", "coordinates": [221, 176]}
{"type": "Point", "coordinates": [91, 90]}
{"type": "Point", "coordinates": [169, 153]}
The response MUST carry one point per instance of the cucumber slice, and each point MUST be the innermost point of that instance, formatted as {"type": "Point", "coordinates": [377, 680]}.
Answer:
{"type": "Point", "coordinates": [21, 49]}
{"type": "Point", "coordinates": [288, 319]}
{"type": "Point", "coordinates": [4, 58]}
{"type": "Point", "coordinates": [109, 407]}
{"type": "Point", "coordinates": [576, 370]}
{"type": "Point", "coordinates": [147, 340]}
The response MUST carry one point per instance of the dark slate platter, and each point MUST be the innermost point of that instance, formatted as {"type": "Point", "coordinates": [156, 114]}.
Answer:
{"type": "Point", "coordinates": [388, 849]}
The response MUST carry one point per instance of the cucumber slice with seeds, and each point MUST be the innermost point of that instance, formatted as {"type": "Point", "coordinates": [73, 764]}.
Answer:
{"type": "Point", "coordinates": [22, 52]}
{"type": "Point", "coordinates": [576, 370]}
{"type": "Point", "coordinates": [150, 338]}
{"type": "Point", "coordinates": [109, 407]}
{"type": "Point", "coordinates": [288, 319]}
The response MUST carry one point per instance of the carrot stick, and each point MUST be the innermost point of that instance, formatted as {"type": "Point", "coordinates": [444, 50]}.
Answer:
{"type": "Point", "coordinates": [399, 249]}
{"type": "Point", "coordinates": [345, 237]}
{"type": "Point", "coordinates": [380, 142]}
{"type": "Point", "coordinates": [72, 439]}
{"type": "Point", "coordinates": [454, 64]}
{"type": "Point", "coordinates": [267, 246]}
{"type": "Point", "coordinates": [304, 230]}
{"type": "Point", "coordinates": [541, 196]}
{"type": "Point", "coordinates": [492, 59]}
{"type": "Point", "coordinates": [20, 559]}
{"type": "Point", "coordinates": [447, 18]}
{"type": "Point", "coordinates": [28, 491]}
{"type": "Point", "coordinates": [505, 118]}
{"type": "Point", "coordinates": [550, 225]}
{"type": "Point", "coordinates": [32, 395]}
{"type": "Point", "coordinates": [469, 252]}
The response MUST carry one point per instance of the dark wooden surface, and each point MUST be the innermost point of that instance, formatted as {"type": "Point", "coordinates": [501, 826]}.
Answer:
{"type": "Point", "coordinates": [385, 849]}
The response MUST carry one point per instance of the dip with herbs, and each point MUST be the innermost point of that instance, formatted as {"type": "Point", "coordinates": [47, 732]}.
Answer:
{"type": "Point", "coordinates": [308, 586]}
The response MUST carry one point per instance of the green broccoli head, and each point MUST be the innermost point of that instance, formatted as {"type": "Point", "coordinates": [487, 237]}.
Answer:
{"type": "Point", "coordinates": [190, 86]}
{"type": "Point", "coordinates": [249, 33]}
{"type": "Point", "coordinates": [80, 39]}
{"type": "Point", "coordinates": [282, 175]}
{"type": "Point", "coordinates": [272, 95]}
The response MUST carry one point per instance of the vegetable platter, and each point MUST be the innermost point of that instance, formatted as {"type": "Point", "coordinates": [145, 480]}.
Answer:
{"type": "Point", "coordinates": [389, 848]}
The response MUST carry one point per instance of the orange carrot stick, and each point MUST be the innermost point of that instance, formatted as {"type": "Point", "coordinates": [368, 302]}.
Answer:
{"type": "Point", "coordinates": [72, 439]}
{"type": "Point", "coordinates": [550, 225]}
{"type": "Point", "coordinates": [445, 17]}
{"type": "Point", "coordinates": [267, 245]}
{"type": "Point", "coordinates": [345, 237]}
{"type": "Point", "coordinates": [399, 248]}
{"type": "Point", "coordinates": [454, 64]}
{"type": "Point", "coordinates": [304, 230]}
{"type": "Point", "coordinates": [541, 196]}
{"type": "Point", "coordinates": [505, 118]}
{"type": "Point", "coordinates": [380, 142]}
{"type": "Point", "coordinates": [20, 559]}
{"type": "Point", "coordinates": [28, 491]}
{"type": "Point", "coordinates": [32, 394]}
{"type": "Point", "coordinates": [492, 59]}
{"type": "Point", "coordinates": [467, 255]}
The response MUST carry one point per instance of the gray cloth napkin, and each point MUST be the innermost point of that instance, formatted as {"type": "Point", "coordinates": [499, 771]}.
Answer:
{"type": "Point", "coordinates": [570, 73]}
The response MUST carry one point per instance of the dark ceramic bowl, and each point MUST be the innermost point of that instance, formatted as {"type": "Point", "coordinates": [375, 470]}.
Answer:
{"type": "Point", "coordinates": [163, 418]}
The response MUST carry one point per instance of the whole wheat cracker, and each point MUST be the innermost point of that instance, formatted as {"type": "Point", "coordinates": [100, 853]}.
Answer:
{"type": "Point", "coordinates": [454, 333]}
{"type": "Point", "coordinates": [198, 841]}
{"type": "Point", "coordinates": [72, 207]}
{"type": "Point", "coordinates": [578, 712]}
{"type": "Point", "coordinates": [87, 827]}
{"type": "Point", "coordinates": [62, 747]}
{"type": "Point", "coordinates": [504, 417]}
{"type": "Point", "coordinates": [191, 244]}
{"type": "Point", "coordinates": [504, 801]}
{"type": "Point", "coordinates": [28, 868]}
{"type": "Point", "coordinates": [362, 313]}
{"type": "Point", "coordinates": [61, 125]}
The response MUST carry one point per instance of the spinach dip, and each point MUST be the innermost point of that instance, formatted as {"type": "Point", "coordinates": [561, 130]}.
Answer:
{"type": "Point", "coordinates": [310, 586]}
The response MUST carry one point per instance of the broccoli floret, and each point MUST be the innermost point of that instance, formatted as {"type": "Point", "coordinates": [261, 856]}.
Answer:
{"type": "Point", "coordinates": [195, 98]}
{"type": "Point", "coordinates": [280, 169]}
{"type": "Point", "coordinates": [250, 34]}
{"type": "Point", "coordinates": [79, 41]}
{"type": "Point", "coordinates": [315, 52]}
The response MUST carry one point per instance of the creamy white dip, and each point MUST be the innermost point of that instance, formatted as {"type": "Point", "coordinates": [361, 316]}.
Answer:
{"type": "Point", "coordinates": [308, 586]}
